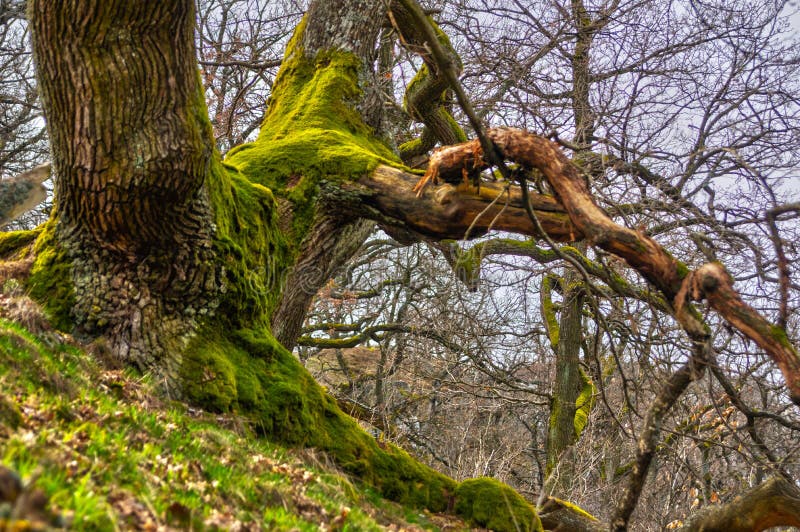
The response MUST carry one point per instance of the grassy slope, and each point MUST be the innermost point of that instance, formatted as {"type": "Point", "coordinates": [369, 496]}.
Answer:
{"type": "Point", "coordinates": [107, 453]}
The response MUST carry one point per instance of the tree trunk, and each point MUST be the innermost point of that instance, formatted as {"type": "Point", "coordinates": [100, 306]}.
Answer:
{"type": "Point", "coordinates": [184, 265]}
{"type": "Point", "coordinates": [131, 149]}
{"type": "Point", "coordinates": [569, 379]}
{"type": "Point", "coordinates": [567, 387]}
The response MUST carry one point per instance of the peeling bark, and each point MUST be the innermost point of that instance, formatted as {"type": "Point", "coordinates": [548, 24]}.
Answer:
{"type": "Point", "coordinates": [641, 252]}
{"type": "Point", "coordinates": [458, 212]}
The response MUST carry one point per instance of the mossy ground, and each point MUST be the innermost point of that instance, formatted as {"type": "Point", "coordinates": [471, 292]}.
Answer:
{"type": "Point", "coordinates": [107, 454]}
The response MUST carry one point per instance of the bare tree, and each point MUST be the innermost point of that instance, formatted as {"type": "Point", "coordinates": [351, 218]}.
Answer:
{"type": "Point", "coordinates": [22, 132]}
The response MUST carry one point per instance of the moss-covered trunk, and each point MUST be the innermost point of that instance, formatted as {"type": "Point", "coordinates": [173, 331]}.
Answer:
{"type": "Point", "coordinates": [185, 265]}
{"type": "Point", "coordinates": [128, 251]}
{"type": "Point", "coordinates": [565, 422]}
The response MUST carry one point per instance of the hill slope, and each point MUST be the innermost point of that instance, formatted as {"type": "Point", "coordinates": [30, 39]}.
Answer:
{"type": "Point", "coordinates": [92, 448]}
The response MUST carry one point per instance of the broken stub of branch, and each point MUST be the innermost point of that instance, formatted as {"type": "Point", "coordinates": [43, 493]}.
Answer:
{"type": "Point", "coordinates": [460, 165]}
{"type": "Point", "coordinates": [710, 282]}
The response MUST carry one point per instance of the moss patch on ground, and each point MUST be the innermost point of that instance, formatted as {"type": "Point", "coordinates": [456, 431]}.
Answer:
{"type": "Point", "coordinates": [489, 503]}
{"type": "Point", "coordinates": [108, 455]}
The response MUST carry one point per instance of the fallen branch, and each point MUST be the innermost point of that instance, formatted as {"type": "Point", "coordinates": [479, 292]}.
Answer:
{"type": "Point", "coordinates": [669, 276]}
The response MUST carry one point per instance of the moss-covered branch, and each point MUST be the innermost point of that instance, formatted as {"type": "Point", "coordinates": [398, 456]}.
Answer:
{"type": "Point", "coordinates": [426, 96]}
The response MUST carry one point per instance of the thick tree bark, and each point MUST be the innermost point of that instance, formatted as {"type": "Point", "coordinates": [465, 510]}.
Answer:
{"type": "Point", "coordinates": [131, 149]}
{"type": "Point", "coordinates": [124, 108]}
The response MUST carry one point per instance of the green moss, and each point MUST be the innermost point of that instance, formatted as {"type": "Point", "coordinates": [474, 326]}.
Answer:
{"type": "Point", "coordinates": [779, 334]}
{"type": "Point", "coordinates": [251, 373]}
{"type": "Point", "coordinates": [251, 247]}
{"type": "Point", "coordinates": [413, 86]}
{"type": "Point", "coordinates": [489, 503]}
{"type": "Point", "coordinates": [312, 131]}
{"type": "Point", "coordinates": [584, 403]}
{"type": "Point", "coordinates": [548, 310]}
{"type": "Point", "coordinates": [417, 146]}
{"type": "Point", "coordinates": [209, 376]}
{"type": "Point", "coordinates": [50, 281]}
{"type": "Point", "coordinates": [683, 269]}
{"type": "Point", "coordinates": [574, 508]}
{"type": "Point", "coordinates": [11, 241]}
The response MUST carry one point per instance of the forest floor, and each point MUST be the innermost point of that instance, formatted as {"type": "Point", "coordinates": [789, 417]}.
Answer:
{"type": "Point", "coordinates": [89, 448]}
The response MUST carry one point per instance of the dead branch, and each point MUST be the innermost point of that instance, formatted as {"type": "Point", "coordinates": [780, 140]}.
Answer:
{"type": "Point", "coordinates": [679, 285]}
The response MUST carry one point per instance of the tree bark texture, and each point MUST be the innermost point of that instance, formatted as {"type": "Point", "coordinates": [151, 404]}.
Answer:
{"type": "Point", "coordinates": [131, 145]}
{"type": "Point", "coordinates": [132, 148]}
{"type": "Point", "coordinates": [329, 245]}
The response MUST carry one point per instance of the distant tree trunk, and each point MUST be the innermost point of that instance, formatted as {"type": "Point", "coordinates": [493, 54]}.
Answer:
{"type": "Point", "coordinates": [569, 380]}
{"type": "Point", "coordinates": [567, 387]}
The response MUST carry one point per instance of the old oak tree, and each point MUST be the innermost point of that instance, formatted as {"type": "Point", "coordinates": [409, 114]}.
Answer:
{"type": "Point", "coordinates": [200, 270]}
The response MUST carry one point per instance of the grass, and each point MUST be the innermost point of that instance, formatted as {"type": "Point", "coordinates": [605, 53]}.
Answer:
{"type": "Point", "coordinates": [108, 453]}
